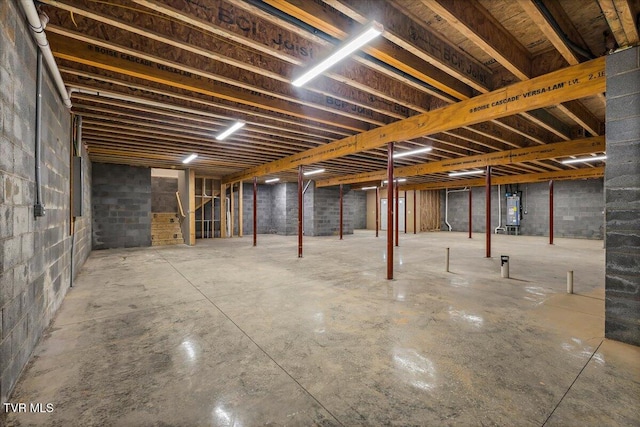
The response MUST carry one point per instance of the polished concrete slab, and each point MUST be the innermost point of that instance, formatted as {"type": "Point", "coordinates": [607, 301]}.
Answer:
{"type": "Point", "coordinates": [226, 334]}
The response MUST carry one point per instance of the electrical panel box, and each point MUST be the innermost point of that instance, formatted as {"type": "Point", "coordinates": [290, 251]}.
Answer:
{"type": "Point", "coordinates": [513, 210]}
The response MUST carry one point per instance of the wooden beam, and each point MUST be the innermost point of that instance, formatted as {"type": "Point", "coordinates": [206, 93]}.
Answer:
{"type": "Point", "coordinates": [337, 25]}
{"type": "Point", "coordinates": [547, 29]}
{"type": "Point", "coordinates": [97, 54]}
{"type": "Point", "coordinates": [539, 152]}
{"type": "Point", "coordinates": [574, 174]}
{"type": "Point", "coordinates": [479, 26]}
{"type": "Point", "coordinates": [401, 30]}
{"type": "Point", "coordinates": [620, 17]}
{"type": "Point", "coordinates": [564, 85]}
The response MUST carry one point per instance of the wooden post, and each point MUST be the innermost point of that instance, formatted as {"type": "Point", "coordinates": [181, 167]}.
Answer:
{"type": "Point", "coordinates": [255, 211]}
{"type": "Point", "coordinates": [240, 215]}
{"type": "Point", "coordinates": [390, 211]}
{"type": "Point", "coordinates": [415, 213]}
{"type": "Point", "coordinates": [202, 202]}
{"type": "Point", "coordinates": [488, 212]}
{"type": "Point", "coordinates": [232, 221]}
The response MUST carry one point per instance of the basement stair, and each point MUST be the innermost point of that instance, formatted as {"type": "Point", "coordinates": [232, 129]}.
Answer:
{"type": "Point", "coordinates": [165, 229]}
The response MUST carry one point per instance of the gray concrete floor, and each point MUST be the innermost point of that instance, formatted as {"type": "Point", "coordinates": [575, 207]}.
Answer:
{"type": "Point", "coordinates": [225, 334]}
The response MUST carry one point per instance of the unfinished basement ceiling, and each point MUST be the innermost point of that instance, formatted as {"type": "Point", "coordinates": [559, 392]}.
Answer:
{"type": "Point", "coordinates": [157, 80]}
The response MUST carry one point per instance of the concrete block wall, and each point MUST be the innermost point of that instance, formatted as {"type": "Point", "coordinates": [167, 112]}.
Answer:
{"type": "Point", "coordinates": [278, 210]}
{"type": "Point", "coordinates": [622, 197]}
{"type": "Point", "coordinates": [578, 209]}
{"type": "Point", "coordinates": [324, 207]}
{"type": "Point", "coordinates": [35, 253]}
{"type": "Point", "coordinates": [163, 194]}
{"type": "Point", "coordinates": [121, 201]}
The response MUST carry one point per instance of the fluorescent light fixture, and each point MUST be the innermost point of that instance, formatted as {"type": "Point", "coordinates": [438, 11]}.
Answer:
{"type": "Point", "coordinates": [313, 172]}
{"type": "Point", "coordinates": [371, 32]}
{"type": "Point", "coordinates": [190, 158]}
{"type": "Point", "coordinates": [368, 188]}
{"type": "Point", "coordinates": [232, 129]}
{"type": "Point", "coordinates": [412, 152]}
{"type": "Point", "coordinates": [396, 180]}
{"type": "Point", "coordinates": [475, 172]}
{"type": "Point", "coordinates": [269, 181]}
{"type": "Point", "coordinates": [585, 159]}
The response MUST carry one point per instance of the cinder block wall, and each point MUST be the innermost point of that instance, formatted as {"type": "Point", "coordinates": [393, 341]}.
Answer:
{"type": "Point", "coordinates": [264, 196]}
{"type": "Point", "coordinates": [163, 194]}
{"type": "Point", "coordinates": [35, 254]}
{"type": "Point", "coordinates": [278, 210]}
{"type": "Point", "coordinates": [622, 188]}
{"type": "Point", "coordinates": [578, 209]}
{"type": "Point", "coordinates": [121, 206]}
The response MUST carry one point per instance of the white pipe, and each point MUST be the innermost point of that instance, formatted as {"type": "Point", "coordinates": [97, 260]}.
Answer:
{"type": "Point", "coordinates": [37, 25]}
{"type": "Point", "coordinates": [570, 282]}
{"type": "Point", "coordinates": [446, 204]}
{"type": "Point", "coordinates": [499, 227]}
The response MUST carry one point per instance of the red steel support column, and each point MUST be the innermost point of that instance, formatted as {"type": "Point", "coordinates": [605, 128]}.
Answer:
{"type": "Point", "coordinates": [390, 211]}
{"type": "Point", "coordinates": [341, 211]}
{"type": "Point", "coordinates": [551, 212]}
{"type": "Point", "coordinates": [415, 212]}
{"type": "Point", "coordinates": [488, 212]}
{"type": "Point", "coordinates": [377, 208]}
{"type": "Point", "coordinates": [255, 210]}
{"type": "Point", "coordinates": [470, 217]}
{"type": "Point", "coordinates": [397, 210]}
{"type": "Point", "coordinates": [300, 195]}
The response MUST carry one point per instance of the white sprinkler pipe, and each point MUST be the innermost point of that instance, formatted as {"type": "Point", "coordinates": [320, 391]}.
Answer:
{"type": "Point", "coordinates": [499, 227]}
{"type": "Point", "coordinates": [37, 25]}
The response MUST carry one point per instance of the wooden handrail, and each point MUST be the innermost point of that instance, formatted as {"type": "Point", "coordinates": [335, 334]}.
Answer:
{"type": "Point", "coordinates": [180, 205]}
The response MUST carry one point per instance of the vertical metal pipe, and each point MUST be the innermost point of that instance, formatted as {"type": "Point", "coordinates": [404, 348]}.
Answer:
{"type": "Point", "coordinates": [255, 210]}
{"type": "Point", "coordinates": [397, 210]}
{"type": "Point", "coordinates": [446, 261]}
{"type": "Point", "coordinates": [38, 209]}
{"type": "Point", "coordinates": [377, 208]}
{"type": "Point", "coordinates": [470, 217]}
{"type": "Point", "coordinates": [390, 211]}
{"type": "Point", "coordinates": [551, 212]}
{"type": "Point", "coordinates": [488, 212]}
{"type": "Point", "coordinates": [300, 195]}
{"type": "Point", "coordinates": [341, 201]}
{"type": "Point", "coordinates": [415, 212]}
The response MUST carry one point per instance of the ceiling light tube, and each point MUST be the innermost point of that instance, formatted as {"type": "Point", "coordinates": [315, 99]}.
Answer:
{"type": "Point", "coordinates": [368, 188]}
{"type": "Point", "coordinates": [412, 152]}
{"type": "Point", "coordinates": [269, 181]}
{"type": "Point", "coordinates": [475, 172]}
{"type": "Point", "coordinates": [372, 31]}
{"type": "Point", "coordinates": [585, 159]}
{"type": "Point", "coordinates": [190, 158]}
{"type": "Point", "coordinates": [313, 172]}
{"type": "Point", "coordinates": [395, 180]}
{"type": "Point", "coordinates": [232, 129]}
